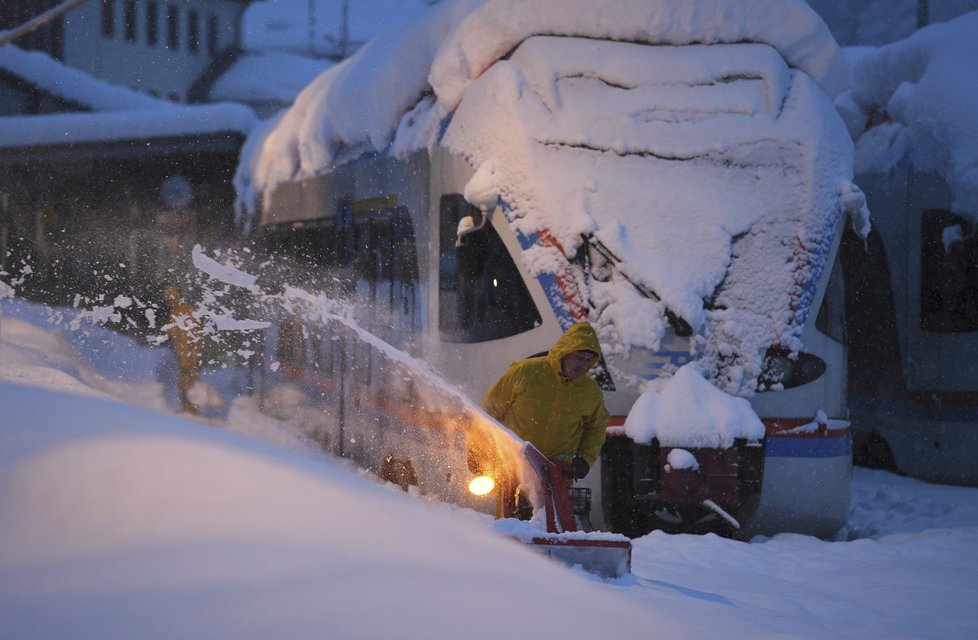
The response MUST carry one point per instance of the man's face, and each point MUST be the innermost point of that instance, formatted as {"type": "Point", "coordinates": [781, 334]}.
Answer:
{"type": "Point", "coordinates": [575, 364]}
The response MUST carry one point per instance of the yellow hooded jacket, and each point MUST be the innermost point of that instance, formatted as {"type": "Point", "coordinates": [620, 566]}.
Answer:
{"type": "Point", "coordinates": [560, 416]}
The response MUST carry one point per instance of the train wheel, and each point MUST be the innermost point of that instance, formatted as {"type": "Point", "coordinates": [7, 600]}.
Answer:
{"type": "Point", "coordinates": [871, 450]}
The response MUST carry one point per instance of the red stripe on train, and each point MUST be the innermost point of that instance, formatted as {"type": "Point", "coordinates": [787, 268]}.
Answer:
{"type": "Point", "coordinates": [928, 397]}
{"type": "Point", "coordinates": [775, 427]}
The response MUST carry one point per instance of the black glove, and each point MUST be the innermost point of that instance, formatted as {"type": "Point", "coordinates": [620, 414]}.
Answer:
{"type": "Point", "coordinates": [579, 468]}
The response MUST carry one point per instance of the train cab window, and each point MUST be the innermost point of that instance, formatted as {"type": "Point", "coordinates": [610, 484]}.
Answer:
{"type": "Point", "coordinates": [482, 295]}
{"type": "Point", "coordinates": [948, 273]}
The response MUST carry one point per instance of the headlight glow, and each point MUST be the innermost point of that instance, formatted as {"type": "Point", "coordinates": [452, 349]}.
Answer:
{"type": "Point", "coordinates": [482, 485]}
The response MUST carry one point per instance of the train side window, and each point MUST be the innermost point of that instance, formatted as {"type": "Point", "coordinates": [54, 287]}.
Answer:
{"type": "Point", "coordinates": [384, 261]}
{"type": "Point", "coordinates": [948, 273]}
{"type": "Point", "coordinates": [482, 295]}
{"type": "Point", "coordinates": [831, 318]}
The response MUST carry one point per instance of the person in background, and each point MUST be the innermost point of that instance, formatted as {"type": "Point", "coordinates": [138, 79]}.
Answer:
{"type": "Point", "coordinates": [549, 401]}
{"type": "Point", "coordinates": [184, 331]}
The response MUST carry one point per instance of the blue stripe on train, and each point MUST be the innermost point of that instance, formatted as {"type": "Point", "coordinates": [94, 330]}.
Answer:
{"type": "Point", "coordinates": [809, 447]}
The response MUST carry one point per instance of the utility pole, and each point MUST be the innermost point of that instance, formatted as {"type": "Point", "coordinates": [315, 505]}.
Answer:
{"type": "Point", "coordinates": [312, 28]}
{"type": "Point", "coordinates": [923, 13]}
{"type": "Point", "coordinates": [345, 29]}
{"type": "Point", "coordinates": [38, 22]}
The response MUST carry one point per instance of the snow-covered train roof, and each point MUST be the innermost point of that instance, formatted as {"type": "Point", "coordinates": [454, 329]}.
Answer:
{"type": "Point", "coordinates": [922, 93]}
{"type": "Point", "coordinates": [442, 51]}
{"type": "Point", "coordinates": [714, 176]}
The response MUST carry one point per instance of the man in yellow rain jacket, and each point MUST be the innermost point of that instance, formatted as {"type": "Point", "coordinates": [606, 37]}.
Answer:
{"type": "Point", "coordinates": [549, 401]}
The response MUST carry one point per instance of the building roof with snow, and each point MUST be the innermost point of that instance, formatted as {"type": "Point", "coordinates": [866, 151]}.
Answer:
{"type": "Point", "coordinates": [266, 81]}
{"type": "Point", "coordinates": [331, 29]}
{"type": "Point", "coordinates": [48, 105]}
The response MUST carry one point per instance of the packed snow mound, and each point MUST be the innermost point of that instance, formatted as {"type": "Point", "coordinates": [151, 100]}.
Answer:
{"type": "Point", "coordinates": [920, 96]}
{"type": "Point", "coordinates": [688, 411]}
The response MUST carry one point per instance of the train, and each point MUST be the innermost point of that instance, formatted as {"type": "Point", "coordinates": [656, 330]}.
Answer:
{"type": "Point", "coordinates": [912, 295]}
{"type": "Point", "coordinates": [912, 314]}
{"type": "Point", "coordinates": [681, 187]}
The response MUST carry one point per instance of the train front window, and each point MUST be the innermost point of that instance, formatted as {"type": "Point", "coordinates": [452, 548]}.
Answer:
{"type": "Point", "coordinates": [948, 273]}
{"type": "Point", "coordinates": [482, 295]}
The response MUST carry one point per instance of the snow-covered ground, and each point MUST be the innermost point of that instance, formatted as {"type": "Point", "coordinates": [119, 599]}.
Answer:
{"type": "Point", "coordinates": [119, 519]}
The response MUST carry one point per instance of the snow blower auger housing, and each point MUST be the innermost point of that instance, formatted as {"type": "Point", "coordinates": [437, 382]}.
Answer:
{"type": "Point", "coordinates": [606, 554]}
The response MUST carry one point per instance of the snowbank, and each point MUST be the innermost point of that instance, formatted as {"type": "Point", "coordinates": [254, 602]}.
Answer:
{"type": "Point", "coordinates": [120, 522]}
{"type": "Point", "coordinates": [688, 411]}
{"type": "Point", "coordinates": [920, 96]}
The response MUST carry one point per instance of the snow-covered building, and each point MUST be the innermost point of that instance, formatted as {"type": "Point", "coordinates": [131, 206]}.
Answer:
{"type": "Point", "coordinates": [161, 48]}
{"type": "Point", "coordinates": [330, 29]}
{"type": "Point", "coordinates": [92, 172]}
{"type": "Point", "coordinates": [878, 22]}
{"type": "Point", "coordinates": [266, 81]}
{"type": "Point", "coordinates": [912, 287]}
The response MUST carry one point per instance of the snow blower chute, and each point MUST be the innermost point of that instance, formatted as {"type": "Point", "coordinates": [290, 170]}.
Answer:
{"type": "Point", "coordinates": [606, 554]}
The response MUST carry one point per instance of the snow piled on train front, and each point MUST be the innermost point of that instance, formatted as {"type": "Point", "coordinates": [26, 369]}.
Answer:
{"type": "Point", "coordinates": [712, 175]}
{"type": "Point", "coordinates": [712, 178]}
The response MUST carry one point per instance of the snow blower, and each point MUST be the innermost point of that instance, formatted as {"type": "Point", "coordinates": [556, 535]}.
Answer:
{"type": "Point", "coordinates": [606, 554]}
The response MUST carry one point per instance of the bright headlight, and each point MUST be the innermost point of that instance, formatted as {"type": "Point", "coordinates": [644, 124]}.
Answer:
{"type": "Point", "coordinates": [482, 485]}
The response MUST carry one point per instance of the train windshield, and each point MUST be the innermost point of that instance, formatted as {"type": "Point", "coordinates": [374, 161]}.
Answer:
{"type": "Point", "coordinates": [482, 294]}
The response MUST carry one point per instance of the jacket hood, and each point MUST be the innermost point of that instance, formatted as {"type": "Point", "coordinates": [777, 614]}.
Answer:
{"type": "Point", "coordinates": [580, 337]}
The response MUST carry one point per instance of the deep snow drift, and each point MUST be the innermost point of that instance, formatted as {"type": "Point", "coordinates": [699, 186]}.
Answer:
{"type": "Point", "coordinates": [121, 521]}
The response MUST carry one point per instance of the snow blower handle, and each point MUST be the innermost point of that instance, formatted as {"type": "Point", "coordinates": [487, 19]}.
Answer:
{"type": "Point", "coordinates": [575, 468]}
{"type": "Point", "coordinates": [551, 488]}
